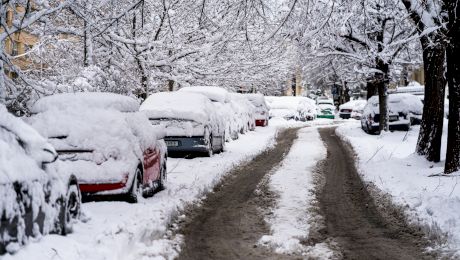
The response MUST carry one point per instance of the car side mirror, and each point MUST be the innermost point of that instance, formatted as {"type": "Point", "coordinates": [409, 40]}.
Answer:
{"type": "Point", "coordinates": [49, 156]}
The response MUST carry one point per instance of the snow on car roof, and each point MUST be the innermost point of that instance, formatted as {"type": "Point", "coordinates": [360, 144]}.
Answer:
{"type": "Point", "coordinates": [257, 98]}
{"type": "Point", "coordinates": [216, 94]}
{"type": "Point", "coordinates": [399, 102]}
{"type": "Point", "coordinates": [86, 99]}
{"type": "Point", "coordinates": [352, 104]}
{"type": "Point", "coordinates": [178, 105]}
{"type": "Point", "coordinates": [285, 102]}
{"type": "Point", "coordinates": [19, 160]}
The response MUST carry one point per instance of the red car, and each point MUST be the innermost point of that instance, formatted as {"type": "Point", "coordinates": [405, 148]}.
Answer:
{"type": "Point", "coordinates": [261, 115]}
{"type": "Point", "coordinates": [103, 140]}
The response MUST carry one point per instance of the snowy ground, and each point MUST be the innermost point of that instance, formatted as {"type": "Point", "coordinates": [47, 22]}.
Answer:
{"type": "Point", "coordinates": [388, 161]}
{"type": "Point", "coordinates": [294, 183]}
{"type": "Point", "coordinates": [118, 230]}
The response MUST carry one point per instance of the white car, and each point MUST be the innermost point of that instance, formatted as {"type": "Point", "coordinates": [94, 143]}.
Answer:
{"type": "Point", "coordinates": [245, 112]}
{"type": "Point", "coordinates": [403, 109]}
{"type": "Point", "coordinates": [190, 120]}
{"type": "Point", "coordinates": [105, 141]}
{"type": "Point", "coordinates": [220, 98]}
{"type": "Point", "coordinates": [35, 199]}
{"type": "Point", "coordinates": [352, 109]}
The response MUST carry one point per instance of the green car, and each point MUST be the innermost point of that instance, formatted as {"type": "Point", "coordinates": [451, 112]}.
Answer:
{"type": "Point", "coordinates": [326, 111]}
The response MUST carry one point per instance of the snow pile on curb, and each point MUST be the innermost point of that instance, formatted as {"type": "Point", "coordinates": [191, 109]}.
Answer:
{"type": "Point", "coordinates": [294, 183]}
{"type": "Point", "coordinates": [388, 161]}
{"type": "Point", "coordinates": [118, 230]}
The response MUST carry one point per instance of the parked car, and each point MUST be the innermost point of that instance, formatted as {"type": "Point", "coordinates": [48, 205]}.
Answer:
{"type": "Point", "coordinates": [105, 141]}
{"type": "Point", "coordinates": [262, 110]}
{"type": "Point", "coordinates": [34, 199]}
{"type": "Point", "coordinates": [403, 109]}
{"type": "Point", "coordinates": [357, 112]}
{"type": "Point", "coordinates": [245, 112]}
{"type": "Point", "coordinates": [346, 110]}
{"type": "Point", "coordinates": [306, 110]}
{"type": "Point", "coordinates": [326, 108]}
{"type": "Point", "coordinates": [190, 120]}
{"type": "Point", "coordinates": [220, 98]}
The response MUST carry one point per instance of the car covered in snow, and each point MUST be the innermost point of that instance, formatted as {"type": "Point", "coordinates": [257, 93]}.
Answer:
{"type": "Point", "coordinates": [352, 109]}
{"type": "Point", "coordinates": [245, 112]}
{"type": "Point", "coordinates": [105, 141]}
{"type": "Point", "coordinates": [34, 199]}
{"type": "Point", "coordinates": [306, 110]}
{"type": "Point", "coordinates": [262, 110]}
{"type": "Point", "coordinates": [403, 110]}
{"type": "Point", "coordinates": [190, 120]}
{"type": "Point", "coordinates": [220, 98]}
{"type": "Point", "coordinates": [326, 108]}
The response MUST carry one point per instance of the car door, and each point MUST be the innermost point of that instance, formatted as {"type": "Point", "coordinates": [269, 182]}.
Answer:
{"type": "Point", "coordinates": [151, 165]}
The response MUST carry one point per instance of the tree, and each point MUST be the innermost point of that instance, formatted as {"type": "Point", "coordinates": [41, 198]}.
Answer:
{"type": "Point", "coordinates": [453, 78]}
{"type": "Point", "coordinates": [433, 44]}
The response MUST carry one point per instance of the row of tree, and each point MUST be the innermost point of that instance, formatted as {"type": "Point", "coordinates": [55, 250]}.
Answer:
{"type": "Point", "coordinates": [376, 39]}
{"type": "Point", "coordinates": [137, 47]}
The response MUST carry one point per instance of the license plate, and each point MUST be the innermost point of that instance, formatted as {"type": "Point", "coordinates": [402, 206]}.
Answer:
{"type": "Point", "coordinates": [172, 143]}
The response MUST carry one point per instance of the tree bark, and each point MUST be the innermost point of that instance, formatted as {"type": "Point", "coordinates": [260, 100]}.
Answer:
{"type": "Point", "coordinates": [429, 139]}
{"type": "Point", "coordinates": [453, 79]}
{"type": "Point", "coordinates": [382, 88]}
{"type": "Point", "coordinates": [371, 88]}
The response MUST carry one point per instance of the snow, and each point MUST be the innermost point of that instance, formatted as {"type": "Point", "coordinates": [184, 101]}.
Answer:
{"type": "Point", "coordinates": [405, 103]}
{"type": "Point", "coordinates": [216, 94]}
{"type": "Point", "coordinates": [388, 161]}
{"type": "Point", "coordinates": [258, 100]}
{"type": "Point", "coordinates": [178, 105]}
{"type": "Point", "coordinates": [99, 140]}
{"type": "Point", "coordinates": [294, 183]}
{"type": "Point", "coordinates": [25, 159]}
{"type": "Point", "coordinates": [354, 105]}
{"type": "Point", "coordinates": [118, 230]}
{"type": "Point", "coordinates": [22, 152]}
{"type": "Point", "coordinates": [86, 99]}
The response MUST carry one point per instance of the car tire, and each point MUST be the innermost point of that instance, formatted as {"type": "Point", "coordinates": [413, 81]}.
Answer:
{"type": "Point", "coordinates": [135, 192]}
{"type": "Point", "coordinates": [70, 208]}
{"type": "Point", "coordinates": [162, 181]}
{"type": "Point", "coordinates": [210, 148]}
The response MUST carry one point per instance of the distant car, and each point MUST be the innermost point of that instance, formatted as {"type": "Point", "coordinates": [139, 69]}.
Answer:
{"type": "Point", "coordinates": [262, 110]}
{"type": "Point", "coordinates": [105, 141]}
{"type": "Point", "coordinates": [191, 122]}
{"type": "Point", "coordinates": [34, 199]}
{"type": "Point", "coordinates": [357, 112]}
{"type": "Point", "coordinates": [306, 110]}
{"type": "Point", "coordinates": [403, 109]}
{"type": "Point", "coordinates": [245, 112]}
{"type": "Point", "coordinates": [346, 110]}
{"type": "Point", "coordinates": [326, 111]}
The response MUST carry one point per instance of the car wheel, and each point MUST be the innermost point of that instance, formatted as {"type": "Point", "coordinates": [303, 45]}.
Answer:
{"type": "Point", "coordinates": [135, 192]}
{"type": "Point", "coordinates": [162, 181]}
{"type": "Point", "coordinates": [70, 208]}
{"type": "Point", "coordinates": [210, 148]}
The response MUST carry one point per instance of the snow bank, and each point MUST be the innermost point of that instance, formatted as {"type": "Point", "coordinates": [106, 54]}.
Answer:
{"type": "Point", "coordinates": [118, 230]}
{"type": "Point", "coordinates": [388, 161]}
{"type": "Point", "coordinates": [81, 100]}
{"type": "Point", "coordinates": [292, 218]}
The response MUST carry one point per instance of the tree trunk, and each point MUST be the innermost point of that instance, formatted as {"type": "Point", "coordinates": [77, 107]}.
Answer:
{"type": "Point", "coordinates": [382, 87]}
{"type": "Point", "coordinates": [429, 139]}
{"type": "Point", "coordinates": [170, 85]}
{"type": "Point", "coordinates": [453, 79]}
{"type": "Point", "coordinates": [371, 88]}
